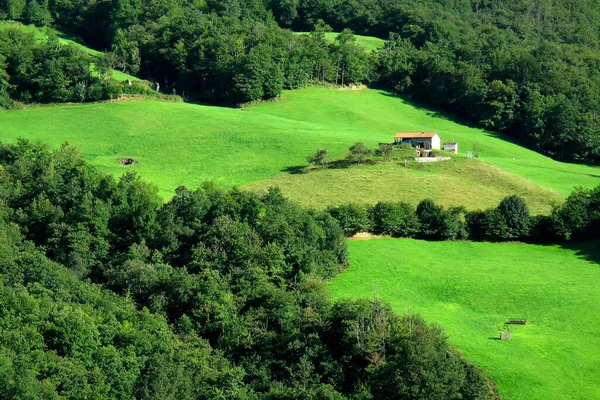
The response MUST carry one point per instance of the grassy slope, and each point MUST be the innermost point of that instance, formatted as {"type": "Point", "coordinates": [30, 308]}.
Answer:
{"type": "Point", "coordinates": [377, 115]}
{"type": "Point", "coordinates": [42, 33]}
{"type": "Point", "coordinates": [368, 42]}
{"type": "Point", "coordinates": [473, 288]}
{"type": "Point", "coordinates": [179, 143]}
{"type": "Point", "coordinates": [473, 184]}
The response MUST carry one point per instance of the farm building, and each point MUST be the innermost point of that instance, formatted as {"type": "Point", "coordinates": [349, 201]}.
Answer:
{"type": "Point", "coordinates": [420, 140]}
{"type": "Point", "coordinates": [451, 146]}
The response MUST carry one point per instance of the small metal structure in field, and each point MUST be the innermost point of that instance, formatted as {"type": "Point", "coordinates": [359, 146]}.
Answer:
{"type": "Point", "coordinates": [517, 321]}
{"type": "Point", "coordinates": [505, 335]}
{"type": "Point", "coordinates": [127, 161]}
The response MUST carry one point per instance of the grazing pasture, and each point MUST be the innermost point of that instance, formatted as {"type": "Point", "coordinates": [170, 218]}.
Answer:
{"type": "Point", "coordinates": [267, 144]}
{"type": "Point", "coordinates": [472, 289]}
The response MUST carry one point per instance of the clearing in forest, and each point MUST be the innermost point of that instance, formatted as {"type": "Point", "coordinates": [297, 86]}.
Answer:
{"type": "Point", "coordinates": [368, 42]}
{"type": "Point", "coordinates": [472, 289]}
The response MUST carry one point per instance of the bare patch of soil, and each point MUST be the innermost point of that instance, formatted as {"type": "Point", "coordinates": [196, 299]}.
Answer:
{"type": "Point", "coordinates": [365, 236]}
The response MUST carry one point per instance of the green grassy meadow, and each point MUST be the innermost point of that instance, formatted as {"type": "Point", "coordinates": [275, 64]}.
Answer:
{"type": "Point", "coordinates": [265, 144]}
{"type": "Point", "coordinates": [471, 289]}
{"type": "Point", "coordinates": [481, 185]}
{"type": "Point", "coordinates": [65, 38]}
{"type": "Point", "coordinates": [368, 42]}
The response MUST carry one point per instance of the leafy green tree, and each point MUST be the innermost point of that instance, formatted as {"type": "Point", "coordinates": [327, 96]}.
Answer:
{"type": "Point", "coordinates": [514, 218]}
{"type": "Point", "coordinates": [358, 153]}
{"type": "Point", "coordinates": [437, 223]}
{"type": "Point", "coordinates": [352, 63]}
{"type": "Point", "coordinates": [37, 13]}
{"type": "Point", "coordinates": [395, 219]}
{"type": "Point", "coordinates": [104, 66]}
{"type": "Point", "coordinates": [14, 9]}
{"type": "Point", "coordinates": [126, 52]}
{"type": "Point", "coordinates": [319, 158]}
{"type": "Point", "coordinates": [353, 218]}
{"type": "Point", "coordinates": [385, 151]}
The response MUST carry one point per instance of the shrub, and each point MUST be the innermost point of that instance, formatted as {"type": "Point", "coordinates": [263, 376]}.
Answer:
{"type": "Point", "coordinates": [395, 219]}
{"type": "Point", "coordinates": [358, 153]}
{"type": "Point", "coordinates": [353, 218]}
{"type": "Point", "coordinates": [514, 218]}
{"type": "Point", "coordinates": [438, 223]}
{"type": "Point", "coordinates": [319, 158]}
{"type": "Point", "coordinates": [96, 92]}
{"type": "Point", "coordinates": [385, 151]}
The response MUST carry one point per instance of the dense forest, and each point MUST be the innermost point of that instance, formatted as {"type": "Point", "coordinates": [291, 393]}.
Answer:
{"type": "Point", "coordinates": [526, 68]}
{"type": "Point", "coordinates": [108, 292]}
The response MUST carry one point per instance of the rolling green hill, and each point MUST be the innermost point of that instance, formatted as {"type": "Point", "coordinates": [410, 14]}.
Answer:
{"type": "Point", "coordinates": [42, 33]}
{"type": "Point", "coordinates": [178, 143]}
{"type": "Point", "coordinates": [368, 42]}
{"type": "Point", "coordinates": [471, 289]}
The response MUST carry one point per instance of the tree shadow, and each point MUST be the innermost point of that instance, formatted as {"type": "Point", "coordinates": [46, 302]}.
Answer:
{"type": "Point", "coordinates": [430, 110]}
{"type": "Point", "coordinates": [337, 164]}
{"type": "Point", "coordinates": [589, 251]}
{"type": "Point", "coordinates": [296, 169]}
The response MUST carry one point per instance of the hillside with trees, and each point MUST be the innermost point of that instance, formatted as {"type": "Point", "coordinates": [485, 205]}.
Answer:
{"type": "Point", "coordinates": [525, 68]}
{"type": "Point", "coordinates": [107, 292]}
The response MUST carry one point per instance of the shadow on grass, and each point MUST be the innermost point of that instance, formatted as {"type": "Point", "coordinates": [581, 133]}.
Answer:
{"type": "Point", "coordinates": [530, 166]}
{"type": "Point", "coordinates": [294, 170]}
{"type": "Point", "coordinates": [338, 164]}
{"type": "Point", "coordinates": [589, 251]}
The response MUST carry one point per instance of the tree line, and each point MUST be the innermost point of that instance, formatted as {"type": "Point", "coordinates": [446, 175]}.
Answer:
{"type": "Point", "coordinates": [525, 68]}
{"type": "Point", "coordinates": [49, 71]}
{"type": "Point", "coordinates": [228, 53]}
{"type": "Point", "coordinates": [578, 218]}
{"type": "Point", "coordinates": [110, 292]}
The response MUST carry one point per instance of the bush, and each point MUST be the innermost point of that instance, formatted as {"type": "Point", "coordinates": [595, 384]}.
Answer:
{"type": "Point", "coordinates": [541, 229]}
{"type": "Point", "coordinates": [5, 100]}
{"type": "Point", "coordinates": [385, 151]}
{"type": "Point", "coordinates": [514, 218]}
{"type": "Point", "coordinates": [395, 219]}
{"type": "Point", "coordinates": [437, 223]}
{"type": "Point", "coordinates": [358, 153]}
{"type": "Point", "coordinates": [96, 92]}
{"type": "Point", "coordinates": [353, 218]}
{"type": "Point", "coordinates": [319, 158]}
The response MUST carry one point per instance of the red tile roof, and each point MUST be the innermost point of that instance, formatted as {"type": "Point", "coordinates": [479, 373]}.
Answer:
{"type": "Point", "coordinates": [414, 135]}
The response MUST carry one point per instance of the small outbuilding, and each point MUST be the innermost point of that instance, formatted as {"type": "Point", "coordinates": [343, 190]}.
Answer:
{"type": "Point", "coordinates": [419, 140]}
{"type": "Point", "coordinates": [451, 146]}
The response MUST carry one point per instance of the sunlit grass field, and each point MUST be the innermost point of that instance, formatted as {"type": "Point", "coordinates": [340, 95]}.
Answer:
{"type": "Point", "coordinates": [186, 144]}
{"type": "Point", "coordinates": [471, 289]}
{"type": "Point", "coordinates": [368, 42]}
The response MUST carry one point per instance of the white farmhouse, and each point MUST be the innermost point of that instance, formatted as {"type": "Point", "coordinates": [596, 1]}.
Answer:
{"type": "Point", "coordinates": [419, 140]}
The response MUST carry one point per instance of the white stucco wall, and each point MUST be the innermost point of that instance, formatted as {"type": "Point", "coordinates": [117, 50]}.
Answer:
{"type": "Point", "coordinates": [435, 142]}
